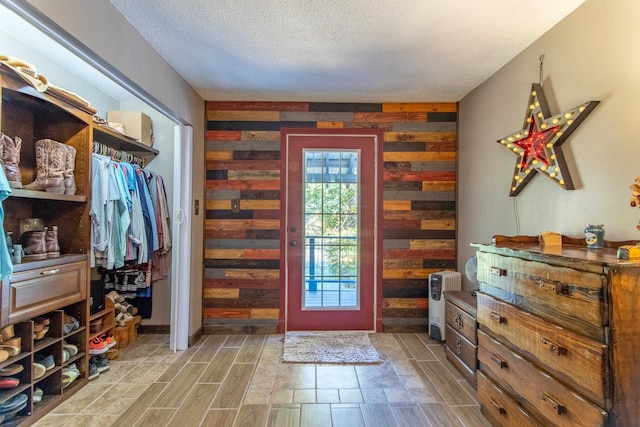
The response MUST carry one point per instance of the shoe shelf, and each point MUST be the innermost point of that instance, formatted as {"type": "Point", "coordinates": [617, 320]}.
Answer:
{"type": "Point", "coordinates": [52, 287]}
{"type": "Point", "coordinates": [43, 195]}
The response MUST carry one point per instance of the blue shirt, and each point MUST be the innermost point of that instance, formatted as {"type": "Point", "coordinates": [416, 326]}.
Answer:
{"type": "Point", "coordinates": [6, 266]}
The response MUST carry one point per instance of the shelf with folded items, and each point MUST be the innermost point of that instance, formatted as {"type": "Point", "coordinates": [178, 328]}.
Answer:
{"type": "Point", "coordinates": [119, 142]}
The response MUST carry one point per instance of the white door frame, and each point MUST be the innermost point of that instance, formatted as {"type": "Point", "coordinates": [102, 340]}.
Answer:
{"type": "Point", "coordinates": [181, 231]}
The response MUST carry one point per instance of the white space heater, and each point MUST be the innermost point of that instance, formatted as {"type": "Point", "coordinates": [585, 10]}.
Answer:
{"type": "Point", "coordinates": [438, 283]}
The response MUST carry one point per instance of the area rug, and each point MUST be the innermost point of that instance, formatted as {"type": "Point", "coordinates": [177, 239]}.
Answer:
{"type": "Point", "coordinates": [351, 347]}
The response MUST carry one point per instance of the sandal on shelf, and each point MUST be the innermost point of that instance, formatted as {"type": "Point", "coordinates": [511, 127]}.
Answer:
{"type": "Point", "coordinates": [37, 395]}
{"type": "Point", "coordinates": [72, 349]}
{"type": "Point", "coordinates": [11, 350]}
{"type": "Point", "coordinates": [69, 375]}
{"type": "Point", "coordinates": [40, 334]}
{"type": "Point", "coordinates": [7, 333]}
{"type": "Point", "coordinates": [38, 371]}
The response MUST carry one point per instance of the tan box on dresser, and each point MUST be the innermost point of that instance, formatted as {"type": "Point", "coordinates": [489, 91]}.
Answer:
{"type": "Point", "coordinates": [461, 337]}
{"type": "Point", "coordinates": [558, 339]}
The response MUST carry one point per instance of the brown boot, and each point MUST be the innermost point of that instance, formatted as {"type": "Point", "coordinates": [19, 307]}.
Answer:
{"type": "Point", "coordinates": [11, 160]}
{"type": "Point", "coordinates": [34, 245]}
{"type": "Point", "coordinates": [51, 238]}
{"type": "Point", "coordinates": [51, 157]}
{"type": "Point", "coordinates": [69, 178]}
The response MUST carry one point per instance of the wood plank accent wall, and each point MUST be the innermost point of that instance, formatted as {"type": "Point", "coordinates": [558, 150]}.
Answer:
{"type": "Point", "coordinates": [241, 290]}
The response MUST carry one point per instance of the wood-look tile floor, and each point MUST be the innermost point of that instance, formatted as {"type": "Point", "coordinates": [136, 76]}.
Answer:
{"type": "Point", "coordinates": [238, 380]}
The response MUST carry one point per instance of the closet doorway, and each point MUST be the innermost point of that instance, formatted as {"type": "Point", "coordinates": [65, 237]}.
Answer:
{"type": "Point", "coordinates": [330, 226]}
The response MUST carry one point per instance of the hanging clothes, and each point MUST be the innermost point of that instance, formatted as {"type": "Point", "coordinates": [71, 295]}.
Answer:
{"type": "Point", "coordinates": [130, 228]}
{"type": "Point", "coordinates": [6, 266]}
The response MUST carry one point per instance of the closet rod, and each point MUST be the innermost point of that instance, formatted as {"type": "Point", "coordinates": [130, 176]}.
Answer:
{"type": "Point", "coordinates": [119, 155]}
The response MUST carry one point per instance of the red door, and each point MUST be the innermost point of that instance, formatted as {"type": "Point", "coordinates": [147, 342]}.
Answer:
{"type": "Point", "coordinates": [330, 240]}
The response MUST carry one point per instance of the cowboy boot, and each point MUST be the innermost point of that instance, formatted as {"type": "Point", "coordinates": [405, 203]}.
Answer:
{"type": "Point", "coordinates": [11, 159]}
{"type": "Point", "coordinates": [51, 242]}
{"type": "Point", "coordinates": [34, 245]}
{"type": "Point", "coordinates": [69, 166]}
{"type": "Point", "coordinates": [50, 162]}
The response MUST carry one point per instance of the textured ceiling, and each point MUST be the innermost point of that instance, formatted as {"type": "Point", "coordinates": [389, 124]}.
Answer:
{"type": "Point", "coordinates": [340, 50]}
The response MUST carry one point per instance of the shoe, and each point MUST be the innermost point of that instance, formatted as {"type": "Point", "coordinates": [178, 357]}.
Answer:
{"type": "Point", "coordinates": [12, 369]}
{"type": "Point", "coordinates": [65, 355]}
{"type": "Point", "coordinates": [7, 333]}
{"type": "Point", "coordinates": [93, 372]}
{"type": "Point", "coordinates": [72, 349]}
{"type": "Point", "coordinates": [13, 404]}
{"type": "Point", "coordinates": [51, 242]}
{"type": "Point", "coordinates": [69, 374]}
{"type": "Point", "coordinates": [69, 166]}
{"type": "Point", "coordinates": [46, 361]}
{"type": "Point", "coordinates": [40, 334]}
{"type": "Point", "coordinates": [70, 324]}
{"type": "Point", "coordinates": [11, 159]}
{"type": "Point", "coordinates": [98, 346]}
{"type": "Point", "coordinates": [111, 342]}
{"type": "Point", "coordinates": [112, 354]}
{"type": "Point", "coordinates": [38, 371]}
{"type": "Point", "coordinates": [9, 382]}
{"type": "Point", "coordinates": [37, 395]}
{"type": "Point", "coordinates": [101, 362]}
{"type": "Point", "coordinates": [51, 157]}
{"type": "Point", "coordinates": [4, 355]}
{"type": "Point", "coordinates": [34, 245]}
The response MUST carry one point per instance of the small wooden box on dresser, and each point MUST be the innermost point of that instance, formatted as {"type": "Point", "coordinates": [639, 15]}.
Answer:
{"type": "Point", "coordinates": [461, 333]}
{"type": "Point", "coordinates": [558, 339]}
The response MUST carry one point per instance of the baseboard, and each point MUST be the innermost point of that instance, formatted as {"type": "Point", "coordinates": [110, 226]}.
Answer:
{"type": "Point", "coordinates": [154, 329]}
{"type": "Point", "coordinates": [240, 329]}
{"type": "Point", "coordinates": [195, 337]}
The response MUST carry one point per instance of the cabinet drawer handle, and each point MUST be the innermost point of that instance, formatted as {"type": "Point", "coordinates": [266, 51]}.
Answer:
{"type": "Point", "coordinates": [497, 271]}
{"type": "Point", "coordinates": [557, 406]}
{"type": "Point", "coordinates": [551, 286]}
{"type": "Point", "coordinates": [501, 363]}
{"type": "Point", "coordinates": [458, 321]}
{"type": "Point", "coordinates": [557, 349]}
{"type": "Point", "coordinates": [48, 272]}
{"type": "Point", "coordinates": [496, 317]}
{"type": "Point", "coordinates": [458, 346]}
{"type": "Point", "coordinates": [499, 408]}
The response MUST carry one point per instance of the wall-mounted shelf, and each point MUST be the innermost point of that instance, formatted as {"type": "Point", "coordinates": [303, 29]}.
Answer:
{"type": "Point", "coordinates": [118, 141]}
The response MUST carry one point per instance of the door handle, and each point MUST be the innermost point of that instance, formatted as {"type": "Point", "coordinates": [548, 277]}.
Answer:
{"type": "Point", "coordinates": [292, 243]}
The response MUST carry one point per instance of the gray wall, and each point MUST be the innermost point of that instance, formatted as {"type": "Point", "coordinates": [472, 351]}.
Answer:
{"type": "Point", "coordinates": [593, 54]}
{"type": "Point", "coordinates": [100, 26]}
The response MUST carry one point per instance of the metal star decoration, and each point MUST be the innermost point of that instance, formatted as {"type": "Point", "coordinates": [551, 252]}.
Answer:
{"type": "Point", "coordinates": [538, 143]}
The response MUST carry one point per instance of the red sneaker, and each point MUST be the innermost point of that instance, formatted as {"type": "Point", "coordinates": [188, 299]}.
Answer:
{"type": "Point", "coordinates": [98, 346]}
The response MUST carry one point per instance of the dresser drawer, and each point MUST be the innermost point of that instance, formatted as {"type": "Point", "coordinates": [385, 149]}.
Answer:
{"type": "Point", "coordinates": [535, 389]}
{"type": "Point", "coordinates": [499, 408]}
{"type": "Point", "coordinates": [572, 298]}
{"type": "Point", "coordinates": [574, 359]}
{"type": "Point", "coordinates": [461, 347]}
{"type": "Point", "coordinates": [34, 292]}
{"type": "Point", "coordinates": [460, 321]}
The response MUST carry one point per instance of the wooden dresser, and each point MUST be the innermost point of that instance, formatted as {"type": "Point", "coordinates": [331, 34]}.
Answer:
{"type": "Point", "coordinates": [461, 333]}
{"type": "Point", "coordinates": [559, 334]}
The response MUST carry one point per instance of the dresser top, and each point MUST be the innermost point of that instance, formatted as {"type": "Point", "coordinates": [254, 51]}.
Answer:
{"type": "Point", "coordinates": [572, 253]}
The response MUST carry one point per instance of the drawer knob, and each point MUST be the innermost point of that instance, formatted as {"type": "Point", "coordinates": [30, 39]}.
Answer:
{"type": "Point", "coordinates": [558, 407]}
{"type": "Point", "coordinates": [48, 272]}
{"type": "Point", "coordinates": [496, 317]}
{"type": "Point", "coordinates": [555, 348]}
{"type": "Point", "coordinates": [499, 408]}
{"type": "Point", "coordinates": [497, 271]}
{"type": "Point", "coordinates": [458, 321]}
{"type": "Point", "coordinates": [501, 363]}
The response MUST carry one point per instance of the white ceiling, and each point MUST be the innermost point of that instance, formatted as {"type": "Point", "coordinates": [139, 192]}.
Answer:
{"type": "Point", "coordinates": [340, 50]}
